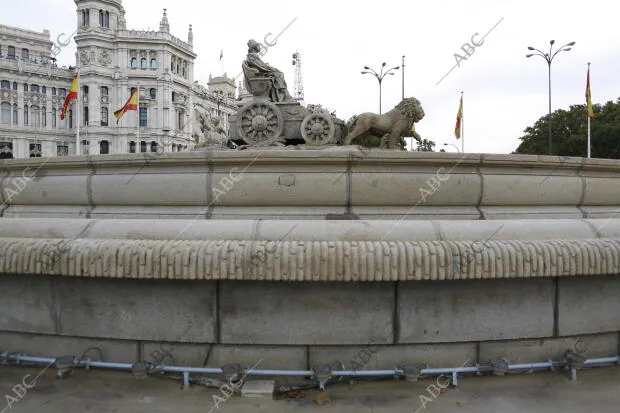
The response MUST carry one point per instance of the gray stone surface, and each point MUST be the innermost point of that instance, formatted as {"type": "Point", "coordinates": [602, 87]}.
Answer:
{"type": "Point", "coordinates": [448, 311]}
{"type": "Point", "coordinates": [540, 350]}
{"type": "Point", "coordinates": [178, 354]}
{"type": "Point", "coordinates": [140, 310]}
{"type": "Point", "coordinates": [28, 304]}
{"type": "Point", "coordinates": [385, 357]}
{"type": "Point", "coordinates": [38, 345]}
{"type": "Point", "coordinates": [267, 357]}
{"type": "Point", "coordinates": [589, 305]}
{"type": "Point", "coordinates": [306, 313]}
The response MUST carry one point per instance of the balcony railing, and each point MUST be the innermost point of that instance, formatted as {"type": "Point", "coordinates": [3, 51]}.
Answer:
{"type": "Point", "coordinates": [32, 68]}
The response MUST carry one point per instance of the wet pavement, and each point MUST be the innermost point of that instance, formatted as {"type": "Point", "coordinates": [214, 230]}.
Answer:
{"type": "Point", "coordinates": [596, 390]}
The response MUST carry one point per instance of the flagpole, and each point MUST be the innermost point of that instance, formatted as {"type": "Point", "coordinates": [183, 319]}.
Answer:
{"type": "Point", "coordinates": [79, 97]}
{"type": "Point", "coordinates": [138, 94]}
{"type": "Point", "coordinates": [587, 109]}
{"type": "Point", "coordinates": [462, 125]}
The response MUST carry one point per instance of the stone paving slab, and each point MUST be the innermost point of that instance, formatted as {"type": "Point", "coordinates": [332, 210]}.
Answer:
{"type": "Point", "coordinates": [596, 391]}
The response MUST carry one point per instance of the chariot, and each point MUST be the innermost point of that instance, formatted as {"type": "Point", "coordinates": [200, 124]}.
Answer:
{"type": "Point", "coordinates": [262, 122]}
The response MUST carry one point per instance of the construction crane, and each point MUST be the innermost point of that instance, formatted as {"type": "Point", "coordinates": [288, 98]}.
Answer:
{"type": "Point", "coordinates": [298, 93]}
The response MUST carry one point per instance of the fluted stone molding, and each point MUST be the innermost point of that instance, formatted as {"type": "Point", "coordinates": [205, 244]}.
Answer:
{"type": "Point", "coordinates": [338, 183]}
{"type": "Point", "coordinates": [353, 261]}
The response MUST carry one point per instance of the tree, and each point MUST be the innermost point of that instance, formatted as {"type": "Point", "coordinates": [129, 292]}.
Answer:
{"type": "Point", "coordinates": [570, 133]}
{"type": "Point", "coordinates": [426, 145]}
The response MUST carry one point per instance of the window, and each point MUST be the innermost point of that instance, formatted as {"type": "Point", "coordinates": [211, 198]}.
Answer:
{"type": "Point", "coordinates": [101, 18]}
{"type": "Point", "coordinates": [43, 117]}
{"type": "Point", "coordinates": [104, 147]}
{"type": "Point", "coordinates": [35, 150]}
{"type": "Point", "coordinates": [85, 17]}
{"type": "Point", "coordinates": [106, 19]}
{"type": "Point", "coordinates": [70, 118]}
{"type": "Point", "coordinates": [143, 63]}
{"type": "Point", "coordinates": [5, 84]}
{"type": "Point", "coordinates": [85, 147]}
{"type": "Point", "coordinates": [25, 54]}
{"type": "Point", "coordinates": [6, 150]}
{"type": "Point", "coordinates": [5, 112]}
{"type": "Point", "coordinates": [25, 87]}
{"type": "Point", "coordinates": [132, 147]}
{"type": "Point", "coordinates": [14, 85]}
{"type": "Point", "coordinates": [104, 91]}
{"type": "Point", "coordinates": [25, 115]}
{"type": "Point", "coordinates": [153, 146]}
{"type": "Point", "coordinates": [174, 147]}
{"type": "Point", "coordinates": [53, 91]}
{"type": "Point", "coordinates": [11, 52]}
{"type": "Point", "coordinates": [85, 123]}
{"type": "Point", "coordinates": [44, 90]}
{"type": "Point", "coordinates": [142, 146]}
{"type": "Point", "coordinates": [153, 93]}
{"type": "Point", "coordinates": [104, 116]}
{"type": "Point", "coordinates": [85, 91]}
{"type": "Point", "coordinates": [62, 92]}
{"type": "Point", "coordinates": [143, 115]}
{"type": "Point", "coordinates": [14, 113]}
{"type": "Point", "coordinates": [174, 97]}
{"type": "Point", "coordinates": [62, 150]}
{"type": "Point", "coordinates": [53, 117]}
{"type": "Point", "coordinates": [180, 120]}
{"type": "Point", "coordinates": [36, 119]}
{"type": "Point", "coordinates": [134, 63]}
{"type": "Point", "coordinates": [34, 88]}
{"type": "Point", "coordinates": [153, 64]}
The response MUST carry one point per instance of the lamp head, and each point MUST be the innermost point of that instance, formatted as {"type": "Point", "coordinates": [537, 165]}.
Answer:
{"type": "Point", "coordinates": [366, 67]}
{"type": "Point", "coordinates": [383, 64]}
{"type": "Point", "coordinates": [551, 42]}
{"type": "Point", "coordinates": [530, 48]}
{"type": "Point", "coordinates": [571, 44]}
{"type": "Point", "coordinates": [529, 55]}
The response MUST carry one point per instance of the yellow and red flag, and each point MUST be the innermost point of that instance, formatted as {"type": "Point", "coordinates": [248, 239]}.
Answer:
{"type": "Point", "coordinates": [589, 97]}
{"type": "Point", "coordinates": [132, 104]}
{"type": "Point", "coordinates": [73, 93]}
{"type": "Point", "coordinates": [459, 118]}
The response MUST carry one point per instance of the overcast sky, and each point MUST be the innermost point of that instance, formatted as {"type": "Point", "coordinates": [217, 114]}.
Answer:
{"type": "Point", "coordinates": [504, 91]}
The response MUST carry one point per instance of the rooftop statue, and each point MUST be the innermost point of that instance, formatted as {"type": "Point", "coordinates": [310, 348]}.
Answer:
{"type": "Point", "coordinates": [393, 126]}
{"type": "Point", "coordinates": [262, 79]}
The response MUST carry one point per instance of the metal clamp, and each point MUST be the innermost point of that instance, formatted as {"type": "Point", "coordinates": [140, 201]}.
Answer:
{"type": "Point", "coordinates": [412, 372]}
{"type": "Point", "coordinates": [500, 367]}
{"type": "Point", "coordinates": [322, 374]}
{"type": "Point", "coordinates": [65, 366]}
{"type": "Point", "coordinates": [233, 373]}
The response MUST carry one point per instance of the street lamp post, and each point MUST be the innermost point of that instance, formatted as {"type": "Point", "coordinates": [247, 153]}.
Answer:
{"type": "Point", "coordinates": [379, 77]}
{"type": "Point", "coordinates": [451, 144]}
{"type": "Point", "coordinates": [549, 58]}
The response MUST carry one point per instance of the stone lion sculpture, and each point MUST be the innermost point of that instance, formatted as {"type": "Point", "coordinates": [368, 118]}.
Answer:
{"type": "Point", "coordinates": [392, 126]}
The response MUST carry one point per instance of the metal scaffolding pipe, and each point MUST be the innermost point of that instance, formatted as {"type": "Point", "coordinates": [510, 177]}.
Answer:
{"type": "Point", "coordinates": [454, 371]}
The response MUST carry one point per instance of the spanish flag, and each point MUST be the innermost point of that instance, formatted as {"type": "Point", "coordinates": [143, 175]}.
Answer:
{"type": "Point", "coordinates": [589, 97]}
{"type": "Point", "coordinates": [73, 92]}
{"type": "Point", "coordinates": [459, 117]}
{"type": "Point", "coordinates": [221, 54]}
{"type": "Point", "coordinates": [132, 104]}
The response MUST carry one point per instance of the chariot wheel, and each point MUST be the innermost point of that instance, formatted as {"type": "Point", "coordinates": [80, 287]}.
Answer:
{"type": "Point", "coordinates": [260, 123]}
{"type": "Point", "coordinates": [318, 129]}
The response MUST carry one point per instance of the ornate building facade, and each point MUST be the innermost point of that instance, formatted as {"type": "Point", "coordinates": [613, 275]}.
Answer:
{"type": "Point", "coordinates": [111, 60]}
